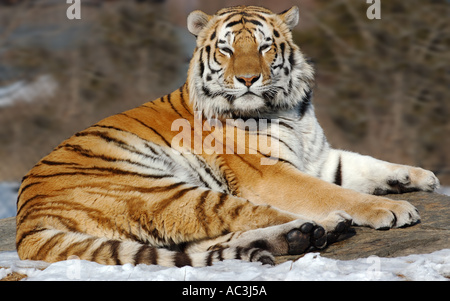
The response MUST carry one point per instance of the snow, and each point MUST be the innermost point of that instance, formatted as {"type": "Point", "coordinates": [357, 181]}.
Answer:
{"type": "Point", "coordinates": [444, 190]}
{"type": "Point", "coordinates": [312, 266]}
{"type": "Point", "coordinates": [42, 86]}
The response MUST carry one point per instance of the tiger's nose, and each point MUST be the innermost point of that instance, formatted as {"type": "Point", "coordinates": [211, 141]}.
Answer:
{"type": "Point", "coordinates": [248, 80]}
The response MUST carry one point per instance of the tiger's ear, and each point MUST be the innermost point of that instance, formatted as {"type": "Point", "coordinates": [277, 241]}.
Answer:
{"type": "Point", "coordinates": [290, 17]}
{"type": "Point", "coordinates": [196, 21]}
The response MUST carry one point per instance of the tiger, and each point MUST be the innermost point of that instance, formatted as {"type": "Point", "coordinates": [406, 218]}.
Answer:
{"type": "Point", "coordinates": [130, 189]}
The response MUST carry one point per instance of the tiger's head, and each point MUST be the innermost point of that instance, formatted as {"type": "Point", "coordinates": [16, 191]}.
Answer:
{"type": "Point", "coordinates": [246, 64]}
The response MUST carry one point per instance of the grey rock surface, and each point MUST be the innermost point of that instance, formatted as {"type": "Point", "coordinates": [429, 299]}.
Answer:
{"type": "Point", "coordinates": [8, 234]}
{"type": "Point", "coordinates": [432, 233]}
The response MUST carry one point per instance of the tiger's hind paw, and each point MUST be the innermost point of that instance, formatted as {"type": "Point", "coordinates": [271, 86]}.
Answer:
{"type": "Point", "coordinates": [337, 223]}
{"type": "Point", "coordinates": [307, 236]}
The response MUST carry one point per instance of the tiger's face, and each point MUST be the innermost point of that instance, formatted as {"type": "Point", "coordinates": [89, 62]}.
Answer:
{"type": "Point", "coordinates": [246, 64]}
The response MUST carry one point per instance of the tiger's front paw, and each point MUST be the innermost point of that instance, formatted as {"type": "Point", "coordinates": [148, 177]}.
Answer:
{"type": "Point", "coordinates": [423, 179]}
{"type": "Point", "coordinates": [407, 179]}
{"type": "Point", "coordinates": [382, 214]}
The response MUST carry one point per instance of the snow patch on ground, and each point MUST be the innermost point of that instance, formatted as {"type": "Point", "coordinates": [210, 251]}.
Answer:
{"type": "Point", "coordinates": [27, 91]}
{"type": "Point", "coordinates": [444, 190]}
{"type": "Point", "coordinates": [312, 266]}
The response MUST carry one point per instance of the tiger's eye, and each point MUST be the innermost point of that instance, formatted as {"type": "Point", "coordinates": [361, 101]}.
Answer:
{"type": "Point", "coordinates": [264, 47]}
{"type": "Point", "coordinates": [226, 51]}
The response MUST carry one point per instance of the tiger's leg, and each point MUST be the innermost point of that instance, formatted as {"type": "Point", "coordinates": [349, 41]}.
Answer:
{"type": "Point", "coordinates": [292, 238]}
{"type": "Point", "coordinates": [147, 221]}
{"type": "Point", "coordinates": [206, 214]}
{"type": "Point", "coordinates": [291, 190]}
{"type": "Point", "coordinates": [369, 175]}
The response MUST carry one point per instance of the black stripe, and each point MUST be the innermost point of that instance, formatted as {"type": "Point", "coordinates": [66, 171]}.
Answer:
{"type": "Point", "coordinates": [111, 170]}
{"type": "Point", "coordinates": [220, 254]}
{"type": "Point", "coordinates": [252, 14]}
{"type": "Point", "coordinates": [305, 104]}
{"type": "Point", "coordinates": [260, 244]}
{"type": "Point", "coordinates": [82, 245]}
{"type": "Point", "coordinates": [238, 254]}
{"type": "Point", "coordinates": [146, 254]}
{"type": "Point", "coordinates": [292, 58]}
{"type": "Point", "coordinates": [182, 259]}
{"type": "Point", "coordinates": [206, 168]}
{"type": "Point", "coordinates": [222, 200]}
{"type": "Point", "coordinates": [47, 162]}
{"type": "Point", "coordinates": [147, 126]}
{"type": "Point", "coordinates": [23, 188]}
{"type": "Point", "coordinates": [209, 258]}
{"type": "Point", "coordinates": [277, 159]}
{"type": "Point", "coordinates": [111, 128]}
{"type": "Point", "coordinates": [48, 245]}
{"type": "Point", "coordinates": [213, 36]}
{"type": "Point", "coordinates": [254, 253]}
{"type": "Point", "coordinates": [201, 215]}
{"type": "Point", "coordinates": [231, 24]}
{"type": "Point", "coordinates": [208, 59]}
{"type": "Point", "coordinates": [26, 234]}
{"type": "Point", "coordinates": [103, 135]}
{"type": "Point", "coordinates": [183, 100]}
{"type": "Point", "coordinates": [148, 107]}
{"type": "Point", "coordinates": [202, 68]}
{"type": "Point", "coordinates": [23, 203]}
{"type": "Point", "coordinates": [286, 125]}
{"type": "Point", "coordinates": [98, 250]}
{"type": "Point", "coordinates": [118, 171]}
{"type": "Point", "coordinates": [114, 248]}
{"type": "Point", "coordinates": [163, 204]}
{"type": "Point", "coordinates": [128, 147]}
{"type": "Point", "coordinates": [88, 153]}
{"type": "Point", "coordinates": [279, 140]}
{"type": "Point", "coordinates": [254, 22]}
{"type": "Point", "coordinates": [338, 174]}
{"type": "Point", "coordinates": [172, 106]}
{"type": "Point", "coordinates": [206, 91]}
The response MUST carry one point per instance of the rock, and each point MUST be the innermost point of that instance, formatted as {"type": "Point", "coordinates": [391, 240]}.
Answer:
{"type": "Point", "coordinates": [8, 234]}
{"type": "Point", "coordinates": [431, 234]}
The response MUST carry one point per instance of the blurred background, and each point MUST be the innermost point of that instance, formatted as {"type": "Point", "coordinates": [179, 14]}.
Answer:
{"type": "Point", "coordinates": [382, 86]}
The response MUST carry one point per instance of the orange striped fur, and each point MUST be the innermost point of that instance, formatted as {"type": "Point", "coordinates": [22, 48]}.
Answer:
{"type": "Point", "coordinates": [121, 191]}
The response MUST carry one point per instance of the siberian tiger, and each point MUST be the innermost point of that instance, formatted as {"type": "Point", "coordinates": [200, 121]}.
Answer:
{"type": "Point", "coordinates": [131, 189]}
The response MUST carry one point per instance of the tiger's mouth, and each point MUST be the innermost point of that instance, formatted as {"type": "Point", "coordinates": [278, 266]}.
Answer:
{"type": "Point", "coordinates": [247, 103]}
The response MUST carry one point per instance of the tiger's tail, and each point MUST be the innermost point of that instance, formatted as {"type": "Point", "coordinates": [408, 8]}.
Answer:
{"type": "Point", "coordinates": [54, 245]}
